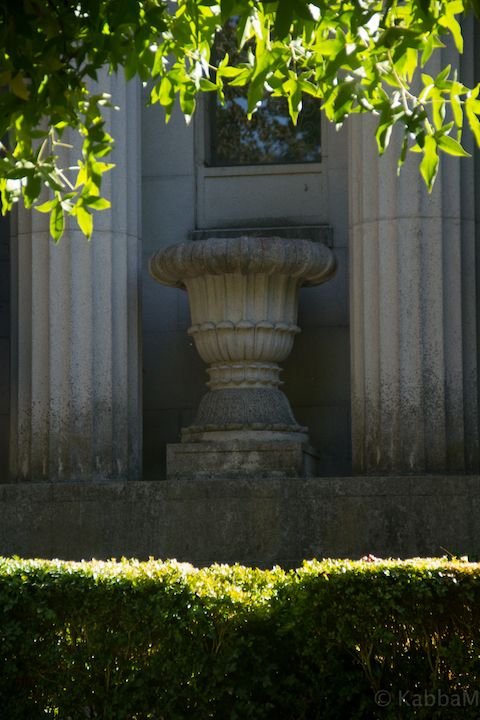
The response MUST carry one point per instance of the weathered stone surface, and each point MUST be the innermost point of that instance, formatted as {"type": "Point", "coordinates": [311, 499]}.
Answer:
{"type": "Point", "coordinates": [317, 233]}
{"type": "Point", "coordinates": [258, 522]}
{"type": "Point", "coordinates": [261, 455]}
{"type": "Point", "coordinates": [243, 294]}
{"type": "Point", "coordinates": [235, 411]}
{"type": "Point", "coordinates": [76, 396]}
{"type": "Point", "coordinates": [414, 311]}
{"type": "Point", "coordinates": [308, 262]}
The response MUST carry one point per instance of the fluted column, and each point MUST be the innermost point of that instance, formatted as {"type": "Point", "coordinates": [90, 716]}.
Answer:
{"type": "Point", "coordinates": [76, 410]}
{"type": "Point", "coordinates": [414, 312]}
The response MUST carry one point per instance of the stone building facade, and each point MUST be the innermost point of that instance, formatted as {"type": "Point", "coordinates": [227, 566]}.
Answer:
{"type": "Point", "coordinates": [99, 375]}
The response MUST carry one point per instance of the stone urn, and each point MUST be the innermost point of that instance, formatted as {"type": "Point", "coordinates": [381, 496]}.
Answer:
{"type": "Point", "coordinates": [243, 295]}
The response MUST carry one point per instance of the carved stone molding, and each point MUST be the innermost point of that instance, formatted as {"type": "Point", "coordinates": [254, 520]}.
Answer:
{"type": "Point", "coordinates": [308, 262]}
{"type": "Point", "coordinates": [243, 294]}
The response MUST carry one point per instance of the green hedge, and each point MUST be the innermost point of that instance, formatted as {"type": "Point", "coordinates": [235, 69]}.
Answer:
{"type": "Point", "coordinates": [335, 640]}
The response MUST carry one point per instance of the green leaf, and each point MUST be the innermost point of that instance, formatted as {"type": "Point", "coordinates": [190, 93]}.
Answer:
{"type": "Point", "coordinates": [207, 85]}
{"type": "Point", "coordinates": [187, 102]}
{"type": "Point", "coordinates": [457, 112]}
{"type": "Point", "coordinates": [442, 78]}
{"type": "Point", "coordinates": [32, 190]}
{"type": "Point", "coordinates": [19, 88]}
{"type": "Point", "coordinates": [166, 92]}
{"type": "Point", "coordinates": [47, 206]}
{"type": "Point", "coordinates": [384, 129]}
{"type": "Point", "coordinates": [17, 173]}
{"type": "Point", "coordinates": [425, 7]}
{"type": "Point", "coordinates": [294, 97]}
{"type": "Point", "coordinates": [57, 221]}
{"type": "Point", "coordinates": [429, 163]}
{"type": "Point", "coordinates": [403, 154]}
{"type": "Point", "coordinates": [473, 121]}
{"type": "Point", "coordinates": [343, 102]}
{"type": "Point", "coordinates": [229, 72]}
{"type": "Point", "coordinates": [283, 18]}
{"type": "Point", "coordinates": [84, 220]}
{"type": "Point", "coordinates": [102, 167]}
{"type": "Point", "coordinates": [428, 87]}
{"type": "Point", "coordinates": [451, 146]}
{"type": "Point", "coordinates": [240, 79]}
{"type": "Point", "coordinates": [450, 22]}
{"type": "Point", "coordinates": [97, 203]}
{"type": "Point", "coordinates": [438, 107]}
{"type": "Point", "coordinates": [427, 50]}
{"type": "Point", "coordinates": [256, 92]}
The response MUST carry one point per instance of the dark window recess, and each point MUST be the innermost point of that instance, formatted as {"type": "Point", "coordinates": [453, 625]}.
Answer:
{"type": "Point", "coordinates": [269, 137]}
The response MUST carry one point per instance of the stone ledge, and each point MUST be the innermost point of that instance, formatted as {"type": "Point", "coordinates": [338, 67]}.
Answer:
{"type": "Point", "coordinates": [248, 520]}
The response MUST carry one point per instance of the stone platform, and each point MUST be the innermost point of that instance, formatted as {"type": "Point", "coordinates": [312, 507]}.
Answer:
{"type": "Point", "coordinates": [237, 458]}
{"type": "Point", "coordinates": [252, 521]}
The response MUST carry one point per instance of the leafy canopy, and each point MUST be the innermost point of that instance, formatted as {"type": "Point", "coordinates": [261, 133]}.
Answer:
{"type": "Point", "coordinates": [359, 56]}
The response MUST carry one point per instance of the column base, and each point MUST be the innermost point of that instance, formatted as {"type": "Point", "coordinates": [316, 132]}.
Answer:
{"type": "Point", "coordinates": [288, 458]}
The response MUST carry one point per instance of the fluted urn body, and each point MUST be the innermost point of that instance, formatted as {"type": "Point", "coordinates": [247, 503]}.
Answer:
{"type": "Point", "coordinates": [243, 295]}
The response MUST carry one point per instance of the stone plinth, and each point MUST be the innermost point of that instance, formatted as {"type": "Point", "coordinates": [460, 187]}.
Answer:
{"type": "Point", "coordinates": [241, 458]}
{"type": "Point", "coordinates": [243, 294]}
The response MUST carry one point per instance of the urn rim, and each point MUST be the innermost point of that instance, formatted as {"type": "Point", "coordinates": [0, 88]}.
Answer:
{"type": "Point", "coordinates": [312, 263]}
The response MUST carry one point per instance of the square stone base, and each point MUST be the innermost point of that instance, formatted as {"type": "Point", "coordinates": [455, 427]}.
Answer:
{"type": "Point", "coordinates": [241, 458]}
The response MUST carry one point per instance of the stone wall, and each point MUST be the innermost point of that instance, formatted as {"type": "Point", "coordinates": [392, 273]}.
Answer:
{"type": "Point", "coordinates": [256, 522]}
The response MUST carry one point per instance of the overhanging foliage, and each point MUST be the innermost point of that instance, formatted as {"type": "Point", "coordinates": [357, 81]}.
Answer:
{"type": "Point", "coordinates": [359, 56]}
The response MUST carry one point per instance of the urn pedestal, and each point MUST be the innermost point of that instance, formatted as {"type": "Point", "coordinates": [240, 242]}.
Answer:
{"type": "Point", "coordinates": [243, 295]}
